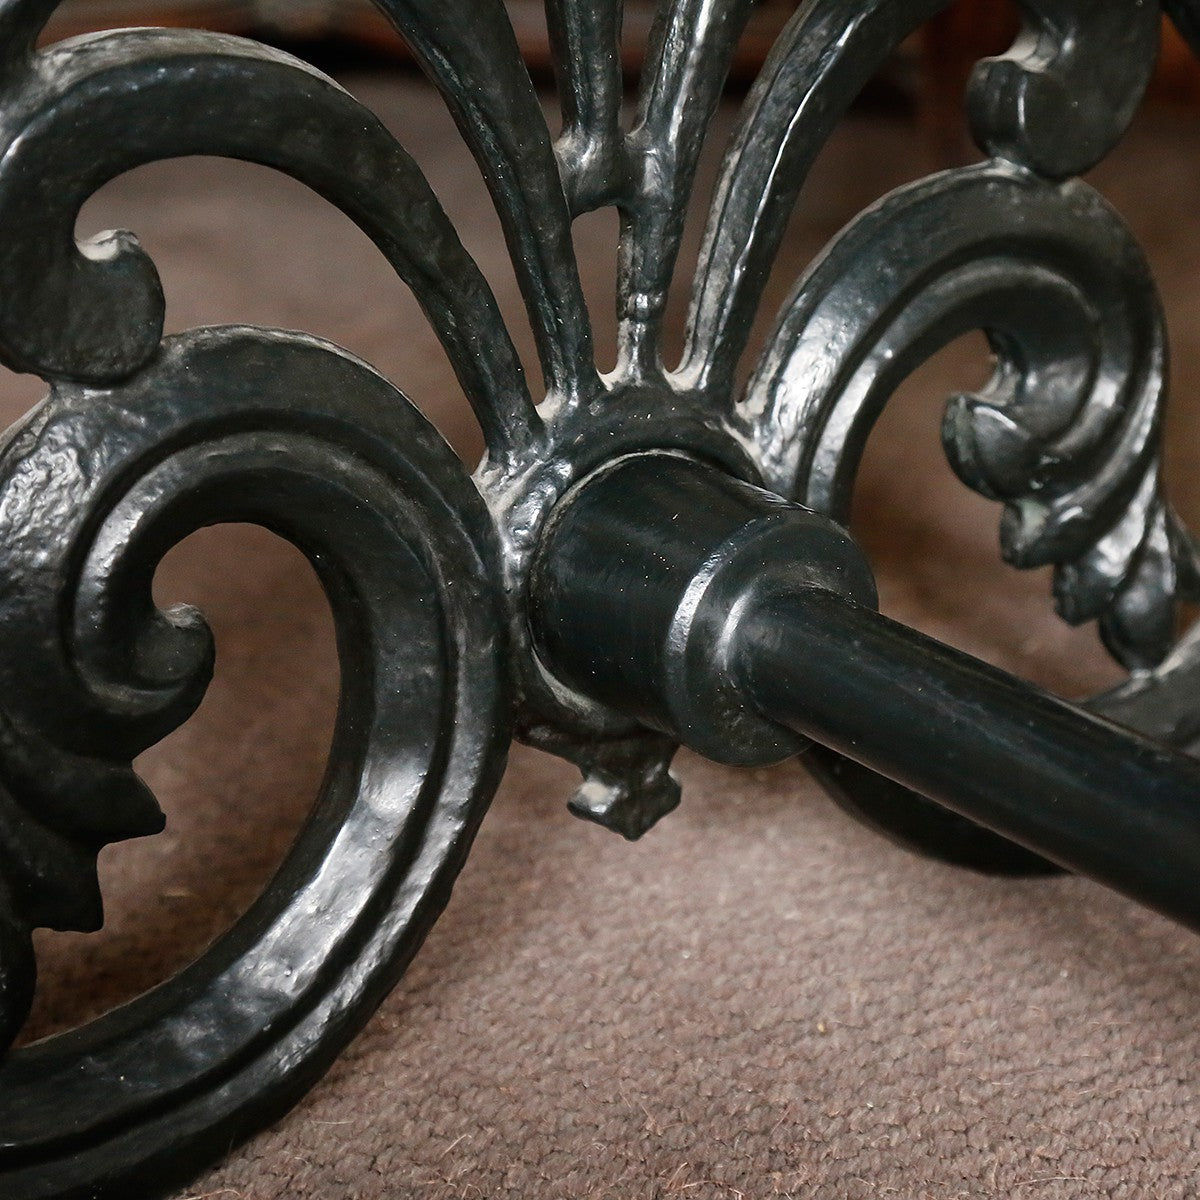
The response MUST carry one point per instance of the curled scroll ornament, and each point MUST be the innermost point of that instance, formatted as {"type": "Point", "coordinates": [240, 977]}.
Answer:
{"type": "Point", "coordinates": [141, 441]}
{"type": "Point", "coordinates": [233, 424]}
{"type": "Point", "coordinates": [1067, 432]}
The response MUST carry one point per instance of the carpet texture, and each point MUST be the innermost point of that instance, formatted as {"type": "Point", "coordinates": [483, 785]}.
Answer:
{"type": "Point", "coordinates": [761, 998]}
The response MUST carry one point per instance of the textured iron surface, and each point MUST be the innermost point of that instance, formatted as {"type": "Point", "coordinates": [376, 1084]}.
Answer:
{"type": "Point", "coordinates": [430, 571]}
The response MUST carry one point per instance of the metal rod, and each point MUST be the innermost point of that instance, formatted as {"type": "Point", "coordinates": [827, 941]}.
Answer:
{"type": "Point", "coordinates": [1086, 793]}
{"type": "Point", "coordinates": [742, 625]}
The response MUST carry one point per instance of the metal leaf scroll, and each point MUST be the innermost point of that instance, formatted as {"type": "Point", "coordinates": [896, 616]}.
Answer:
{"type": "Point", "coordinates": [237, 424]}
{"type": "Point", "coordinates": [141, 440]}
{"type": "Point", "coordinates": [1066, 433]}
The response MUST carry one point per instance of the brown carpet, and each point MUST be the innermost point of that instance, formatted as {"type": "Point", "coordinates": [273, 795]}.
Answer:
{"type": "Point", "coordinates": [761, 999]}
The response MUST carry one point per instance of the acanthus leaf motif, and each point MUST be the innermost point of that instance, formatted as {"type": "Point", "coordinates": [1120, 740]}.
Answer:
{"type": "Point", "coordinates": [1066, 433]}
{"type": "Point", "coordinates": [232, 424]}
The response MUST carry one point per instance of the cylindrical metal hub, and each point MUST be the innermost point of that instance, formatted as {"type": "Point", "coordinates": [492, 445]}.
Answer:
{"type": "Point", "coordinates": [643, 573]}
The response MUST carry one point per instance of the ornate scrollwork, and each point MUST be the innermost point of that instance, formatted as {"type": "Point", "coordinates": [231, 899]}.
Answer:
{"type": "Point", "coordinates": [94, 313]}
{"type": "Point", "coordinates": [1063, 95]}
{"type": "Point", "coordinates": [235, 424]}
{"type": "Point", "coordinates": [1066, 433]}
{"type": "Point", "coordinates": [141, 440]}
{"type": "Point", "coordinates": [1044, 111]}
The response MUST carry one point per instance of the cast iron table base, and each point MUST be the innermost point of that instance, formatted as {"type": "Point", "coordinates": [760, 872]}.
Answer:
{"type": "Point", "coordinates": [643, 558]}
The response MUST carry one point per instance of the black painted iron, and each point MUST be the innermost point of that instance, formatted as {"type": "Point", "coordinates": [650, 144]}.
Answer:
{"type": "Point", "coordinates": [755, 617]}
{"type": "Point", "coordinates": [642, 558]}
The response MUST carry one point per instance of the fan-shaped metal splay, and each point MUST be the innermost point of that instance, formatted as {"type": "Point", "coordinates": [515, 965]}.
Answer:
{"type": "Point", "coordinates": [642, 558]}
